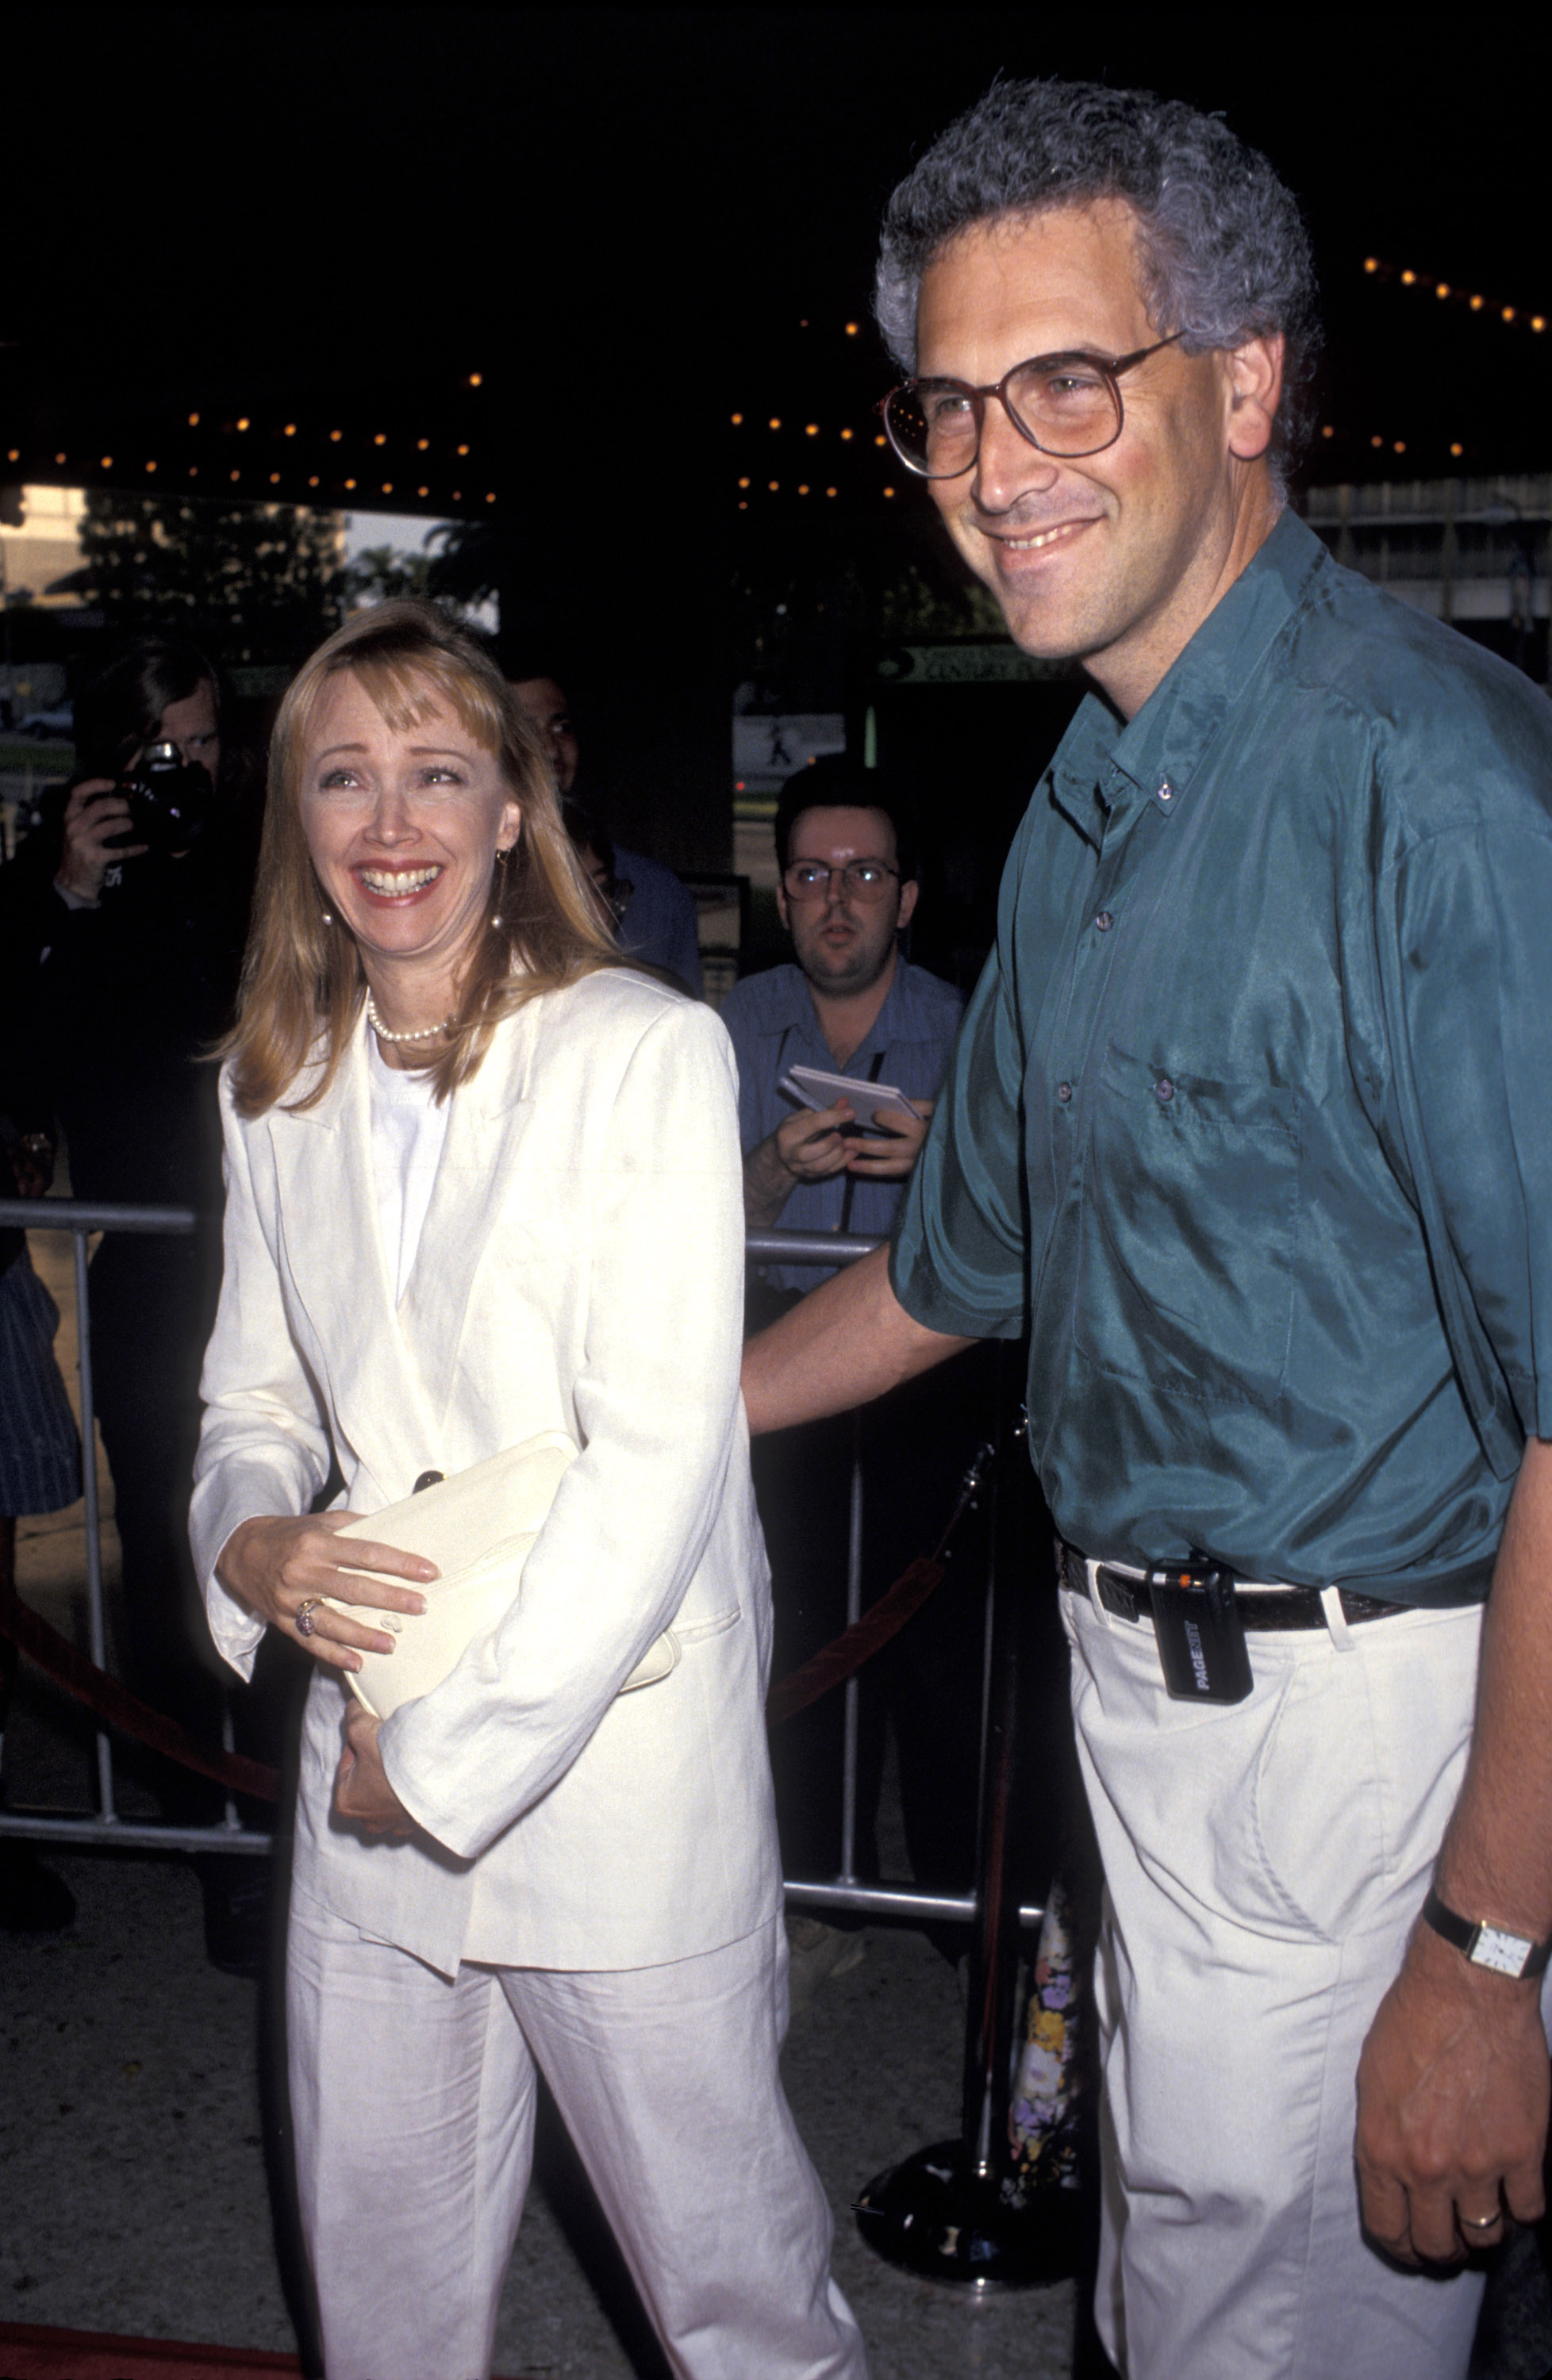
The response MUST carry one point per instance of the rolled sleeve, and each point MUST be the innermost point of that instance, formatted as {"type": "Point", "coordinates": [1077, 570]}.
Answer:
{"type": "Point", "coordinates": [958, 1261]}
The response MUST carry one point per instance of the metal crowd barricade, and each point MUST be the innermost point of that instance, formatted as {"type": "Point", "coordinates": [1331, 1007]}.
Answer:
{"type": "Point", "coordinates": [80, 1217]}
{"type": "Point", "coordinates": [897, 1902]}
{"type": "Point", "coordinates": [901, 1904]}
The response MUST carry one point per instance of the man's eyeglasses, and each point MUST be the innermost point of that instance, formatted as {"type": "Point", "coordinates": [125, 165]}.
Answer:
{"type": "Point", "coordinates": [861, 880]}
{"type": "Point", "coordinates": [1067, 404]}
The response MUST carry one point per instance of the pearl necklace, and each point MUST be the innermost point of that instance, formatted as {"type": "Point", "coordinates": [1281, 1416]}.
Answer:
{"type": "Point", "coordinates": [425, 1033]}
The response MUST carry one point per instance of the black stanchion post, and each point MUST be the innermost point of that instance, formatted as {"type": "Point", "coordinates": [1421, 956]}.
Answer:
{"type": "Point", "coordinates": [959, 2211]}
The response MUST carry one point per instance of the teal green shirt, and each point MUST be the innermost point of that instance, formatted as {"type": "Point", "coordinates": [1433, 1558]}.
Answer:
{"type": "Point", "coordinates": [1250, 1120]}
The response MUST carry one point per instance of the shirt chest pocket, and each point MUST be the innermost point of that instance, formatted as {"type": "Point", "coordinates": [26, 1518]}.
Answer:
{"type": "Point", "coordinates": [1186, 1237]}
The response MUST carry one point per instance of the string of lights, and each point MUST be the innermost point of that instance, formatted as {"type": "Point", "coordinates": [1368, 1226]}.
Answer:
{"type": "Point", "coordinates": [1455, 293]}
{"type": "Point", "coordinates": [752, 484]}
{"type": "Point", "coordinates": [810, 429]}
{"type": "Point", "coordinates": [844, 434]}
{"type": "Point", "coordinates": [803, 488]}
{"type": "Point", "coordinates": [344, 462]}
{"type": "Point", "coordinates": [1392, 445]}
{"type": "Point", "coordinates": [798, 476]}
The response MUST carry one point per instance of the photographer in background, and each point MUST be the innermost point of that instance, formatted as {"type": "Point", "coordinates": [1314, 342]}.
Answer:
{"type": "Point", "coordinates": [98, 825]}
{"type": "Point", "coordinates": [129, 907]}
{"type": "Point", "coordinates": [139, 936]}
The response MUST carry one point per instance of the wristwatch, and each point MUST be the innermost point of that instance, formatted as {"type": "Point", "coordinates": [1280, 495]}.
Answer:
{"type": "Point", "coordinates": [1487, 1946]}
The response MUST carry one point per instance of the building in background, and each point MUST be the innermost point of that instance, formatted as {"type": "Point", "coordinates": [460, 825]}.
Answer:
{"type": "Point", "coordinates": [39, 544]}
{"type": "Point", "coordinates": [42, 545]}
{"type": "Point", "coordinates": [1476, 552]}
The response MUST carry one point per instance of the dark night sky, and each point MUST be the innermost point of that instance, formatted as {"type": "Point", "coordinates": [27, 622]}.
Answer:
{"type": "Point", "coordinates": [346, 192]}
{"type": "Point", "coordinates": [618, 217]}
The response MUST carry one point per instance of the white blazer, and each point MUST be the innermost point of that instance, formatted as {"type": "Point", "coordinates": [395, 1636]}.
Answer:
{"type": "Point", "coordinates": [581, 1269]}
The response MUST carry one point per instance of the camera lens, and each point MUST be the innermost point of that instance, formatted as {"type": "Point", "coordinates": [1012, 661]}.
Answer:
{"type": "Point", "coordinates": [169, 800]}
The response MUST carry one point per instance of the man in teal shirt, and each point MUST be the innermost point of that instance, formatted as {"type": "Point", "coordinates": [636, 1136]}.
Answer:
{"type": "Point", "coordinates": [1249, 1125]}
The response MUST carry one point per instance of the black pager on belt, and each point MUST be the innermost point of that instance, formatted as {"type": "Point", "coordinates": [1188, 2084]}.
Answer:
{"type": "Point", "coordinates": [1201, 1634]}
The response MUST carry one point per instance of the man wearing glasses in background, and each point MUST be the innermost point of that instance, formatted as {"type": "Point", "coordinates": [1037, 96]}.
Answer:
{"type": "Point", "coordinates": [1248, 1123]}
{"type": "Point", "coordinates": [853, 1004]}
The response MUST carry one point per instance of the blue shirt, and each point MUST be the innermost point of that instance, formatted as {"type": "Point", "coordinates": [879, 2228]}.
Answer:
{"type": "Point", "coordinates": [1251, 1118]}
{"type": "Point", "coordinates": [659, 925]}
{"type": "Point", "coordinates": [774, 1026]}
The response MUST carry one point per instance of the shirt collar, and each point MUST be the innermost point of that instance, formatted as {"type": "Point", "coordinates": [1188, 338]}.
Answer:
{"type": "Point", "coordinates": [1105, 764]}
{"type": "Point", "coordinates": [783, 999]}
{"type": "Point", "coordinates": [792, 1005]}
{"type": "Point", "coordinates": [896, 1019]}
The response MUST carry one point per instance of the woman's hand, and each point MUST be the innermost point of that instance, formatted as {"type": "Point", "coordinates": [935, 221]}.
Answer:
{"type": "Point", "coordinates": [95, 814]}
{"type": "Point", "coordinates": [363, 1796]}
{"type": "Point", "coordinates": [280, 1568]}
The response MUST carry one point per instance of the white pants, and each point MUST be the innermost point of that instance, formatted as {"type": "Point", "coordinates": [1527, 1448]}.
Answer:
{"type": "Point", "coordinates": [1264, 1863]}
{"type": "Point", "coordinates": [413, 2101]}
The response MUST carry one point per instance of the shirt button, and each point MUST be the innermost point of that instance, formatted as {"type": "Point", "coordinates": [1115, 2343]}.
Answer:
{"type": "Point", "coordinates": [1166, 791]}
{"type": "Point", "coordinates": [1164, 1087]}
{"type": "Point", "coordinates": [1064, 1092]}
{"type": "Point", "coordinates": [1104, 920]}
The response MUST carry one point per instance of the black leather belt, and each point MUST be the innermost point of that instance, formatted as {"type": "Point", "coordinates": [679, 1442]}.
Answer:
{"type": "Point", "coordinates": [1124, 1591]}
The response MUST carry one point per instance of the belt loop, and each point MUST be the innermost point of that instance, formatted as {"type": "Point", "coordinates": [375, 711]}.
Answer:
{"type": "Point", "coordinates": [1336, 1618]}
{"type": "Point", "coordinates": [1108, 1619]}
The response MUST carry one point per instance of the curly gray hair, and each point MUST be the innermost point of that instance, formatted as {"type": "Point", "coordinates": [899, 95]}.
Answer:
{"type": "Point", "coordinates": [1224, 253]}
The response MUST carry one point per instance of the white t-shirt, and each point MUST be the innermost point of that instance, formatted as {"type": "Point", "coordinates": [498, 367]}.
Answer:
{"type": "Point", "coordinates": [408, 1131]}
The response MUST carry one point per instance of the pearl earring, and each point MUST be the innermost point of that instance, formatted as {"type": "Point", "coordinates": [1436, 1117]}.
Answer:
{"type": "Point", "coordinates": [501, 886]}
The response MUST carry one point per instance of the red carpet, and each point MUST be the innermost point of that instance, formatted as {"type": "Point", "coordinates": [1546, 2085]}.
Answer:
{"type": "Point", "coordinates": [28, 2352]}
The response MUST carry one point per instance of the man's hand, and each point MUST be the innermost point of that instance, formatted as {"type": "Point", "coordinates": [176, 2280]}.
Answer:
{"type": "Point", "coordinates": [1453, 2100]}
{"type": "Point", "coordinates": [94, 816]}
{"type": "Point", "coordinates": [1453, 2086]}
{"type": "Point", "coordinates": [363, 1796]}
{"type": "Point", "coordinates": [805, 1147]}
{"type": "Point", "coordinates": [891, 1158]}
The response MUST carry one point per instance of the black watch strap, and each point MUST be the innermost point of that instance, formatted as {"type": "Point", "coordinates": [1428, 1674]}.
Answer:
{"type": "Point", "coordinates": [1487, 1946]}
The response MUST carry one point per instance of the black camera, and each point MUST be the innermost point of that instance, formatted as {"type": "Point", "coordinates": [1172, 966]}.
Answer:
{"type": "Point", "coordinates": [169, 800]}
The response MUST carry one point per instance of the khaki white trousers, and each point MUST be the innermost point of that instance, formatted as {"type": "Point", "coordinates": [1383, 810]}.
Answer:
{"type": "Point", "coordinates": [1264, 1864]}
{"type": "Point", "coordinates": [413, 2102]}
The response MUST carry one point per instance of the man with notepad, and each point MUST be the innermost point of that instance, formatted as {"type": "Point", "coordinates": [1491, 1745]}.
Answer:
{"type": "Point", "coordinates": [852, 1006]}
{"type": "Point", "coordinates": [817, 1160]}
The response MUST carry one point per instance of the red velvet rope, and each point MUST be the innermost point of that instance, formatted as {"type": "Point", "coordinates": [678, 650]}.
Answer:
{"type": "Point", "coordinates": [846, 1653]}
{"type": "Point", "coordinates": [114, 1703]}
{"type": "Point", "coordinates": [107, 1700]}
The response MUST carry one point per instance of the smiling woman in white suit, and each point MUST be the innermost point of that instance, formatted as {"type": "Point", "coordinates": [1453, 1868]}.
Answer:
{"type": "Point", "coordinates": [483, 1183]}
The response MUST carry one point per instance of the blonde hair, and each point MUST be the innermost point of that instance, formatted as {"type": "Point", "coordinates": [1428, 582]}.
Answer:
{"type": "Point", "coordinates": [302, 980]}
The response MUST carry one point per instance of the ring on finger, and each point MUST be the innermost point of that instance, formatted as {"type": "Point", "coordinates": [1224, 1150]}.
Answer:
{"type": "Point", "coordinates": [306, 1624]}
{"type": "Point", "coordinates": [1481, 2222]}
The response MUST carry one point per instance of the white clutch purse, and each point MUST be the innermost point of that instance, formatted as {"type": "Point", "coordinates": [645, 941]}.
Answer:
{"type": "Point", "coordinates": [477, 1527]}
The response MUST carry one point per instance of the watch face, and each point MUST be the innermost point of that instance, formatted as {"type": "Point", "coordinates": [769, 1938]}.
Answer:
{"type": "Point", "coordinates": [1505, 1953]}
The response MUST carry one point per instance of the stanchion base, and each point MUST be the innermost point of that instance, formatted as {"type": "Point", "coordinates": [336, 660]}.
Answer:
{"type": "Point", "coordinates": [936, 2215]}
